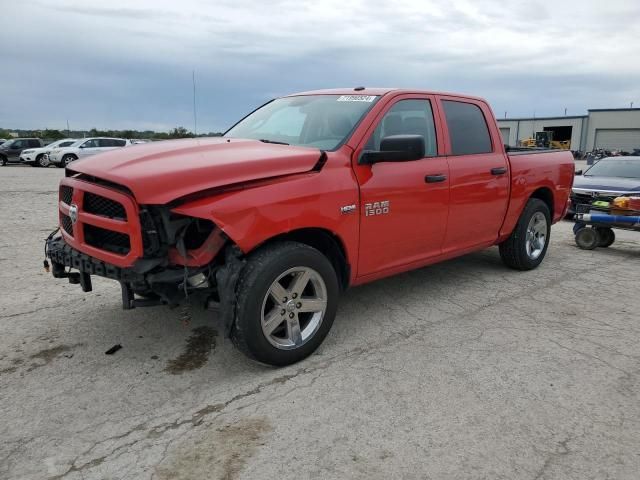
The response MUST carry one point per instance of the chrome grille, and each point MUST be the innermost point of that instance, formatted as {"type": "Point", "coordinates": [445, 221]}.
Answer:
{"type": "Point", "coordinates": [66, 194]}
{"type": "Point", "coordinates": [66, 224]}
{"type": "Point", "coordinates": [105, 207]}
{"type": "Point", "coordinates": [114, 242]}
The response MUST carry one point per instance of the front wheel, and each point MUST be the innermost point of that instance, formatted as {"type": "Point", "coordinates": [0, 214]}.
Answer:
{"type": "Point", "coordinates": [527, 245]}
{"type": "Point", "coordinates": [42, 161]}
{"type": "Point", "coordinates": [3, 161]}
{"type": "Point", "coordinates": [287, 300]}
{"type": "Point", "coordinates": [588, 238]}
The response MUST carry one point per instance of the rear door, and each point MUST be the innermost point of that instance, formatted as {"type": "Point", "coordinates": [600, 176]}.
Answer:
{"type": "Point", "coordinates": [16, 149]}
{"type": "Point", "coordinates": [106, 144]}
{"type": "Point", "coordinates": [403, 205]}
{"type": "Point", "coordinates": [478, 172]}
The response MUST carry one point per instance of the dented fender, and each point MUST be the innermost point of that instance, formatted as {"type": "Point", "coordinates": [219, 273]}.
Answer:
{"type": "Point", "coordinates": [255, 213]}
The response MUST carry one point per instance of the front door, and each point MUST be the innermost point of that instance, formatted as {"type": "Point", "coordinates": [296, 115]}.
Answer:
{"type": "Point", "coordinates": [88, 148]}
{"type": "Point", "coordinates": [403, 205]}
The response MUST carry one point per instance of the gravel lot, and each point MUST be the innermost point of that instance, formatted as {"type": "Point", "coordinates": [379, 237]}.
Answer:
{"type": "Point", "coordinates": [461, 370]}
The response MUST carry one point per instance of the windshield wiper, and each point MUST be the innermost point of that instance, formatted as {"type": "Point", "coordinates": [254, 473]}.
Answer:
{"type": "Point", "coordinates": [265, 140]}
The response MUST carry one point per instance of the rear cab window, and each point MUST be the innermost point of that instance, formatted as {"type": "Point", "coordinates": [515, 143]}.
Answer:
{"type": "Point", "coordinates": [468, 129]}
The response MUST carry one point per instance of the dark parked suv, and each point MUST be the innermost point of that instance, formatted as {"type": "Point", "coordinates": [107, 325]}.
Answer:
{"type": "Point", "coordinates": [11, 149]}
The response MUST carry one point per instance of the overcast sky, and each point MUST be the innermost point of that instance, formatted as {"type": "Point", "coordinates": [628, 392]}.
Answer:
{"type": "Point", "coordinates": [128, 64]}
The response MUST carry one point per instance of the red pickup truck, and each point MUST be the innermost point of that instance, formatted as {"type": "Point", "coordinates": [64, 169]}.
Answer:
{"type": "Point", "coordinates": [307, 195]}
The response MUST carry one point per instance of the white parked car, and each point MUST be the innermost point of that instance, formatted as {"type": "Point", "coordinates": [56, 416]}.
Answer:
{"type": "Point", "coordinates": [85, 148]}
{"type": "Point", "coordinates": [38, 157]}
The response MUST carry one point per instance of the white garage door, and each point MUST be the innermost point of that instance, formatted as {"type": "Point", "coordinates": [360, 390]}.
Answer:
{"type": "Point", "coordinates": [618, 139]}
{"type": "Point", "coordinates": [505, 135]}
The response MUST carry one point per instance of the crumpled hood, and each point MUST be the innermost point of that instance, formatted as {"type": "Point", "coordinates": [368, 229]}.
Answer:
{"type": "Point", "coordinates": [160, 172]}
{"type": "Point", "coordinates": [609, 184]}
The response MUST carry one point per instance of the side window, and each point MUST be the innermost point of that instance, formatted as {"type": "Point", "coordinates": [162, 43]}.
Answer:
{"type": "Point", "coordinates": [18, 144]}
{"type": "Point", "coordinates": [119, 143]}
{"type": "Point", "coordinates": [468, 129]}
{"type": "Point", "coordinates": [65, 144]}
{"type": "Point", "coordinates": [105, 142]}
{"type": "Point", "coordinates": [34, 143]}
{"type": "Point", "coordinates": [91, 143]}
{"type": "Point", "coordinates": [407, 117]}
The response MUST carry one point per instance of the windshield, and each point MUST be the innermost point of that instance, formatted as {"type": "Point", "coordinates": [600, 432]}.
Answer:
{"type": "Point", "coordinates": [320, 121]}
{"type": "Point", "coordinates": [615, 167]}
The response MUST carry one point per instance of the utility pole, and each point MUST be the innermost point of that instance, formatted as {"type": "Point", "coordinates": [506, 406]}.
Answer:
{"type": "Point", "coordinates": [565, 111]}
{"type": "Point", "coordinates": [195, 118]}
{"type": "Point", "coordinates": [68, 131]}
{"type": "Point", "coordinates": [505, 115]}
{"type": "Point", "coordinates": [631, 105]}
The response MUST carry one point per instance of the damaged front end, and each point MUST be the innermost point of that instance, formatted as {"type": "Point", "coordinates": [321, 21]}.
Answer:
{"type": "Point", "coordinates": [159, 257]}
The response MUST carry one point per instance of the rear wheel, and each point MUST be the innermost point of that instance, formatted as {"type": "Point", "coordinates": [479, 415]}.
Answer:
{"type": "Point", "coordinates": [67, 159]}
{"type": "Point", "coordinates": [3, 160]}
{"type": "Point", "coordinates": [287, 300]}
{"type": "Point", "coordinates": [587, 238]}
{"type": "Point", "coordinates": [527, 245]}
{"type": "Point", "coordinates": [607, 237]}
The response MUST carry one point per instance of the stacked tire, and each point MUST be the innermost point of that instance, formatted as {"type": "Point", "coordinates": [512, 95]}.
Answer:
{"type": "Point", "coordinates": [590, 238]}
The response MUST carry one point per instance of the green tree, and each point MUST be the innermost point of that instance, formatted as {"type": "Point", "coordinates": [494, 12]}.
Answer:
{"type": "Point", "coordinates": [180, 132]}
{"type": "Point", "coordinates": [52, 134]}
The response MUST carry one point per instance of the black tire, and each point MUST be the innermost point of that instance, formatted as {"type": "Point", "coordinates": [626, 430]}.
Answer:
{"type": "Point", "coordinates": [587, 238]}
{"type": "Point", "coordinates": [68, 158]}
{"type": "Point", "coordinates": [607, 237]}
{"type": "Point", "coordinates": [40, 161]}
{"type": "Point", "coordinates": [262, 269]}
{"type": "Point", "coordinates": [3, 161]}
{"type": "Point", "coordinates": [513, 250]}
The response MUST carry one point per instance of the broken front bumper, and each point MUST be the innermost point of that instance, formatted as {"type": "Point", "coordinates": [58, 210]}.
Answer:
{"type": "Point", "coordinates": [150, 277]}
{"type": "Point", "coordinates": [159, 283]}
{"type": "Point", "coordinates": [63, 255]}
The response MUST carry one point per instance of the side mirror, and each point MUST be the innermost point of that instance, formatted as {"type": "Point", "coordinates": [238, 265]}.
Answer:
{"type": "Point", "coordinates": [578, 172]}
{"type": "Point", "coordinates": [396, 148]}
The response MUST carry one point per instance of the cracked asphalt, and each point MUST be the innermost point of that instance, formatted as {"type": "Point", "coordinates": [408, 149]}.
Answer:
{"type": "Point", "coordinates": [460, 370]}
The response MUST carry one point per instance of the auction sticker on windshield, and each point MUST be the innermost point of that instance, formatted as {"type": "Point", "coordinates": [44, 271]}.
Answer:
{"type": "Point", "coordinates": [356, 98]}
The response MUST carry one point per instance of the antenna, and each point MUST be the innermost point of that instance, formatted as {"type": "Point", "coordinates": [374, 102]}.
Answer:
{"type": "Point", "coordinates": [195, 118]}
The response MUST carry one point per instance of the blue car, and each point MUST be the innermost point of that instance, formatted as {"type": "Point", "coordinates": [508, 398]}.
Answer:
{"type": "Point", "coordinates": [611, 177]}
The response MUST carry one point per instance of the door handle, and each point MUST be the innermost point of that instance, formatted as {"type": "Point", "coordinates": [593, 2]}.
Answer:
{"type": "Point", "coordinates": [435, 178]}
{"type": "Point", "coordinates": [499, 171]}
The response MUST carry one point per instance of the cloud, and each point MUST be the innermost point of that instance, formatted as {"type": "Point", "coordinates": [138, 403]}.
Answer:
{"type": "Point", "coordinates": [113, 65]}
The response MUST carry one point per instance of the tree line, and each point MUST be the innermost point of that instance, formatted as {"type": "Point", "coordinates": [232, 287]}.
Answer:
{"type": "Point", "coordinates": [52, 134]}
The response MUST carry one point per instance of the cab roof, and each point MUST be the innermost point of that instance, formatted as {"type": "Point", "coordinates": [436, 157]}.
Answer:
{"type": "Point", "coordinates": [378, 92]}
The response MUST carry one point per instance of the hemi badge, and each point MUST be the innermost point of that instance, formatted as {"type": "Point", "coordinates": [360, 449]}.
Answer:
{"type": "Point", "coordinates": [348, 209]}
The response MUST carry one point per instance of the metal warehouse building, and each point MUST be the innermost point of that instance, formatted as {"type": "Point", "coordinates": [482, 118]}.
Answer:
{"type": "Point", "coordinates": [611, 129]}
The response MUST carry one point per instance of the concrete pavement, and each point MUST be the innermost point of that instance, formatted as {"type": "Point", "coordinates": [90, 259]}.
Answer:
{"type": "Point", "coordinates": [461, 370]}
